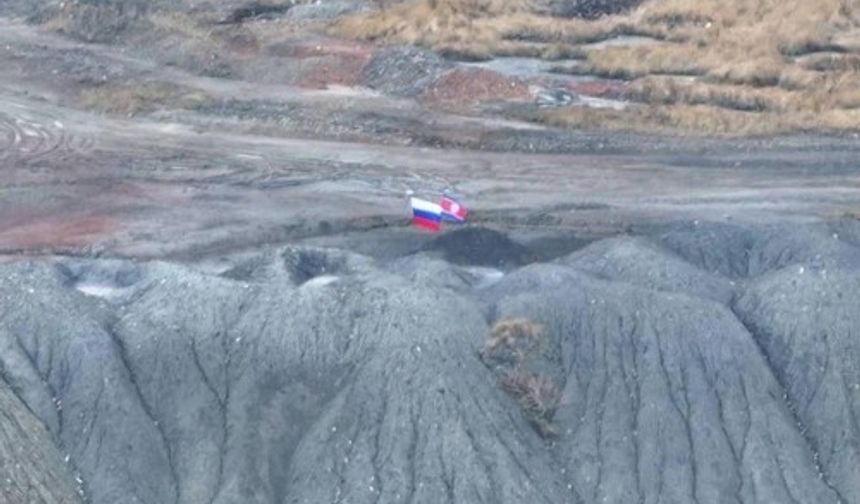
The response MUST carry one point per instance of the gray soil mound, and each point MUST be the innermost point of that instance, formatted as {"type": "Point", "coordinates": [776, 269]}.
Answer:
{"type": "Point", "coordinates": [297, 264]}
{"type": "Point", "coordinates": [309, 375]}
{"type": "Point", "coordinates": [738, 252]}
{"type": "Point", "coordinates": [665, 398]}
{"type": "Point", "coordinates": [848, 229]}
{"type": "Point", "coordinates": [641, 262]}
{"type": "Point", "coordinates": [208, 389]}
{"type": "Point", "coordinates": [420, 269]}
{"type": "Point", "coordinates": [403, 71]}
{"type": "Point", "coordinates": [31, 468]}
{"type": "Point", "coordinates": [479, 246]}
{"type": "Point", "coordinates": [714, 247]}
{"type": "Point", "coordinates": [806, 322]}
{"type": "Point", "coordinates": [781, 246]}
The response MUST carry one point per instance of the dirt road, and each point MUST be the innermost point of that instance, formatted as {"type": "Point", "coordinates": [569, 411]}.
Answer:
{"type": "Point", "coordinates": [186, 181]}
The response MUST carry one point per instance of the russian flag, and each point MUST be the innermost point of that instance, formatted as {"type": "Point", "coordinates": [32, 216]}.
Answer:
{"type": "Point", "coordinates": [452, 210]}
{"type": "Point", "coordinates": [426, 214]}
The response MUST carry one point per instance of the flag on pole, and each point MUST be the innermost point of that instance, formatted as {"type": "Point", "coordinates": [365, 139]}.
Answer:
{"type": "Point", "coordinates": [425, 214]}
{"type": "Point", "coordinates": [452, 210]}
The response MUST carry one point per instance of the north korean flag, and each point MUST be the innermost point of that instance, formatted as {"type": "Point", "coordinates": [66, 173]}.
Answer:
{"type": "Point", "coordinates": [452, 210]}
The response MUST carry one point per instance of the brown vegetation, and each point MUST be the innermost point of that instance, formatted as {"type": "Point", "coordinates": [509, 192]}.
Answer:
{"type": "Point", "coordinates": [536, 395]}
{"type": "Point", "coordinates": [518, 336]}
{"type": "Point", "coordinates": [702, 119]}
{"type": "Point", "coordinates": [473, 29]}
{"type": "Point", "coordinates": [723, 67]}
{"type": "Point", "coordinates": [513, 341]}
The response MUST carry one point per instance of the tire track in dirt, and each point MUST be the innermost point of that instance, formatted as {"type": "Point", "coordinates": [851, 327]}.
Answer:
{"type": "Point", "coordinates": [24, 138]}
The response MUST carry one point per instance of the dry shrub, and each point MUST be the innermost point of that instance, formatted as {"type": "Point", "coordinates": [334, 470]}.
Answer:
{"type": "Point", "coordinates": [537, 395]}
{"type": "Point", "coordinates": [631, 62]}
{"type": "Point", "coordinates": [670, 91]}
{"type": "Point", "coordinates": [696, 119]}
{"type": "Point", "coordinates": [519, 337]}
{"type": "Point", "coordinates": [512, 341]}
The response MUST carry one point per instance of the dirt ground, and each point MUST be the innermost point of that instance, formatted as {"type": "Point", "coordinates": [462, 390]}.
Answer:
{"type": "Point", "coordinates": [686, 305]}
{"type": "Point", "coordinates": [202, 164]}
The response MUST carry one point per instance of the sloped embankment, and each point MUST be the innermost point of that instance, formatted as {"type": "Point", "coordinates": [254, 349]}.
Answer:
{"type": "Point", "coordinates": [312, 375]}
{"type": "Point", "coordinates": [31, 467]}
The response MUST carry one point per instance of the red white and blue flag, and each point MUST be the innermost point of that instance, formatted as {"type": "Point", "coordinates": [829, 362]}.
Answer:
{"type": "Point", "coordinates": [452, 210]}
{"type": "Point", "coordinates": [425, 214]}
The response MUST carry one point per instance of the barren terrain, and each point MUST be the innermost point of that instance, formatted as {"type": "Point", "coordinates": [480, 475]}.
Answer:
{"type": "Point", "coordinates": [210, 291]}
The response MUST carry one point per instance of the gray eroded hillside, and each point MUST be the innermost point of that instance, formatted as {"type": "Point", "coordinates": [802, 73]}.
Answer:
{"type": "Point", "coordinates": [32, 469]}
{"type": "Point", "coordinates": [685, 372]}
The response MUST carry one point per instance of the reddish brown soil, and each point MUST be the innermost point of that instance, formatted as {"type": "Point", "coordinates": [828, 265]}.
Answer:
{"type": "Point", "coordinates": [56, 231]}
{"type": "Point", "coordinates": [601, 89]}
{"type": "Point", "coordinates": [472, 86]}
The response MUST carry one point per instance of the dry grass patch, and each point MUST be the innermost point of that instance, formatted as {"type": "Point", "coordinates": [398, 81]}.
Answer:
{"type": "Point", "coordinates": [831, 62]}
{"type": "Point", "coordinates": [746, 42]}
{"type": "Point", "coordinates": [525, 26]}
{"type": "Point", "coordinates": [518, 337]}
{"type": "Point", "coordinates": [763, 66]}
{"type": "Point", "coordinates": [658, 90]}
{"type": "Point", "coordinates": [704, 120]}
{"type": "Point", "coordinates": [839, 120]}
{"type": "Point", "coordinates": [538, 397]}
{"type": "Point", "coordinates": [670, 119]}
{"type": "Point", "coordinates": [474, 29]}
{"type": "Point", "coordinates": [514, 343]}
{"type": "Point", "coordinates": [632, 62]}
{"type": "Point", "coordinates": [131, 99]}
